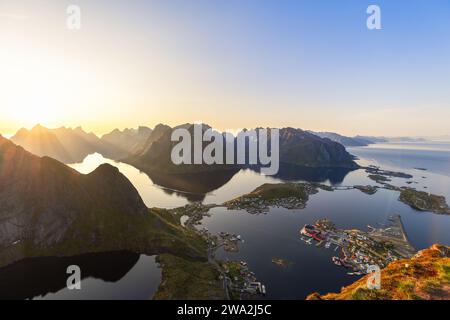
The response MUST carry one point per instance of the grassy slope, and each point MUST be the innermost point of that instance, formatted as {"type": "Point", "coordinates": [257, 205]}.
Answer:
{"type": "Point", "coordinates": [425, 276]}
{"type": "Point", "coordinates": [184, 279]}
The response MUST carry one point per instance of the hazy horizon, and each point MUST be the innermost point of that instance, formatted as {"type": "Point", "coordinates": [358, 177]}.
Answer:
{"type": "Point", "coordinates": [312, 65]}
{"type": "Point", "coordinates": [445, 137]}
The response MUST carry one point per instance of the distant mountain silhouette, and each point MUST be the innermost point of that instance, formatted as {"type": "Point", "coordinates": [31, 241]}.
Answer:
{"type": "Point", "coordinates": [345, 141]}
{"type": "Point", "coordinates": [65, 144]}
{"type": "Point", "coordinates": [372, 139]}
{"type": "Point", "coordinates": [130, 140]}
{"type": "Point", "coordinates": [42, 142]}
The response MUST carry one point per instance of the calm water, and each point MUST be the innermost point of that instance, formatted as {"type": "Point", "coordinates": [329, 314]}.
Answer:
{"type": "Point", "coordinates": [110, 275]}
{"type": "Point", "coordinates": [276, 234]}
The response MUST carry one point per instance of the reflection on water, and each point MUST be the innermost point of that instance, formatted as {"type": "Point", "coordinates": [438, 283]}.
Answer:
{"type": "Point", "coordinates": [276, 234]}
{"type": "Point", "coordinates": [152, 194]}
{"type": "Point", "coordinates": [113, 275]}
{"type": "Point", "coordinates": [175, 190]}
{"type": "Point", "coordinates": [193, 187]}
{"type": "Point", "coordinates": [296, 173]}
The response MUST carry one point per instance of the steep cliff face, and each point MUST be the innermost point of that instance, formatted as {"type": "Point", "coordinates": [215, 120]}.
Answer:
{"type": "Point", "coordinates": [424, 276]}
{"type": "Point", "coordinates": [155, 156]}
{"type": "Point", "coordinates": [302, 148]}
{"type": "Point", "coordinates": [297, 147]}
{"type": "Point", "coordinates": [47, 208]}
{"type": "Point", "coordinates": [155, 152]}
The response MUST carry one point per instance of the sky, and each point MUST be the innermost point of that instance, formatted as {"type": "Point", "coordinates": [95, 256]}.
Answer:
{"type": "Point", "coordinates": [310, 64]}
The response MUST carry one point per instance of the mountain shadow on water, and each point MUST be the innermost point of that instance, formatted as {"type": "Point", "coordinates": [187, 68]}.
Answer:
{"type": "Point", "coordinates": [34, 277]}
{"type": "Point", "coordinates": [290, 172]}
{"type": "Point", "coordinates": [192, 186]}
{"type": "Point", "coordinates": [195, 186]}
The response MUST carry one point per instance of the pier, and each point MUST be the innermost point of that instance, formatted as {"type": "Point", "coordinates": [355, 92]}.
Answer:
{"type": "Point", "coordinates": [359, 249]}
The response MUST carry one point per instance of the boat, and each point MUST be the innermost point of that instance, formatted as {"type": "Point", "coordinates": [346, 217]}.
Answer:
{"type": "Point", "coordinates": [336, 261]}
{"type": "Point", "coordinates": [327, 245]}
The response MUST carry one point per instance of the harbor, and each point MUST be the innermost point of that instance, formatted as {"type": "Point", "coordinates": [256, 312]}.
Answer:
{"type": "Point", "coordinates": [238, 281]}
{"type": "Point", "coordinates": [356, 250]}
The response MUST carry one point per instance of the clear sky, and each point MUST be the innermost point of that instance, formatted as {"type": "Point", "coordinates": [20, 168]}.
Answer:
{"type": "Point", "coordinates": [311, 64]}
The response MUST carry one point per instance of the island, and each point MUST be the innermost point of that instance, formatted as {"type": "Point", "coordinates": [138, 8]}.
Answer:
{"type": "Point", "coordinates": [424, 201]}
{"type": "Point", "coordinates": [296, 195]}
{"type": "Point", "coordinates": [286, 195]}
{"type": "Point", "coordinates": [378, 178]}
{"type": "Point", "coordinates": [378, 171]}
{"type": "Point", "coordinates": [370, 190]}
{"type": "Point", "coordinates": [281, 262]}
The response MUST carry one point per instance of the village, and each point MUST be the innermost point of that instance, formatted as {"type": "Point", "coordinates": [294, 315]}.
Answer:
{"type": "Point", "coordinates": [241, 283]}
{"type": "Point", "coordinates": [238, 281]}
{"type": "Point", "coordinates": [358, 250]}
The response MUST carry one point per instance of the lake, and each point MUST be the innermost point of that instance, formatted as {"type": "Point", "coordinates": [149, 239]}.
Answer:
{"type": "Point", "coordinates": [276, 234]}
{"type": "Point", "coordinates": [109, 275]}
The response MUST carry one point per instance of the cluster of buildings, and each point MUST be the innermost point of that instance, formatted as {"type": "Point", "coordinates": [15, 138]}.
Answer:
{"type": "Point", "coordinates": [241, 281]}
{"type": "Point", "coordinates": [358, 250]}
{"type": "Point", "coordinates": [229, 241]}
{"type": "Point", "coordinates": [258, 205]}
{"type": "Point", "coordinates": [237, 277]}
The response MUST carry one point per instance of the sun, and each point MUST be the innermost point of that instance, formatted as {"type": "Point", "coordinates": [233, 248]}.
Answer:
{"type": "Point", "coordinates": [40, 89]}
{"type": "Point", "coordinates": [33, 107]}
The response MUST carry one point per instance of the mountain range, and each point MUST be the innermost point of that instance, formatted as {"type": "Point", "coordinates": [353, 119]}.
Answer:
{"type": "Point", "coordinates": [297, 147]}
{"type": "Point", "coordinates": [149, 150]}
{"type": "Point", "coordinates": [130, 140]}
{"type": "Point", "coordinates": [65, 144]}
{"type": "Point", "coordinates": [357, 141]}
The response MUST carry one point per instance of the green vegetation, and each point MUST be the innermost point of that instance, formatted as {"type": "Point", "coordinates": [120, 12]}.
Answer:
{"type": "Point", "coordinates": [234, 269]}
{"type": "Point", "coordinates": [282, 190]}
{"type": "Point", "coordinates": [424, 201]}
{"type": "Point", "coordinates": [156, 232]}
{"type": "Point", "coordinates": [286, 195]}
{"type": "Point", "coordinates": [188, 279]}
